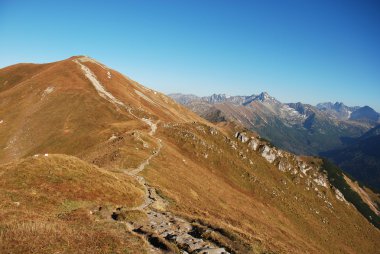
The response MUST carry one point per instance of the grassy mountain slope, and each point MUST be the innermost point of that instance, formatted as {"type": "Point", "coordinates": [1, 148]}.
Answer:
{"type": "Point", "coordinates": [198, 182]}
{"type": "Point", "coordinates": [58, 203]}
{"type": "Point", "coordinates": [55, 108]}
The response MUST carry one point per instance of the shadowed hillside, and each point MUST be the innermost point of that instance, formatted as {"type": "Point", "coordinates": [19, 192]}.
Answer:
{"type": "Point", "coordinates": [361, 158]}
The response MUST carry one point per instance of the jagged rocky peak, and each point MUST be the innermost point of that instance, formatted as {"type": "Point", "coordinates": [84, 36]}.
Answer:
{"type": "Point", "coordinates": [339, 105]}
{"type": "Point", "coordinates": [242, 100]}
{"type": "Point", "coordinates": [325, 105]}
{"type": "Point", "coordinates": [265, 97]}
{"type": "Point", "coordinates": [221, 98]}
{"type": "Point", "coordinates": [337, 110]}
{"type": "Point", "coordinates": [216, 98]}
{"type": "Point", "coordinates": [331, 106]}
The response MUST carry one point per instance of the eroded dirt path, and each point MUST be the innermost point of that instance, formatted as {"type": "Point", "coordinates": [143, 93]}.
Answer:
{"type": "Point", "coordinates": [165, 224]}
{"type": "Point", "coordinates": [160, 223]}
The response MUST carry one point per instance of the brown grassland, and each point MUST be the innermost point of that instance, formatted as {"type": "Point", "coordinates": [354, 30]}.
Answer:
{"type": "Point", "coordinates": [63, 203]}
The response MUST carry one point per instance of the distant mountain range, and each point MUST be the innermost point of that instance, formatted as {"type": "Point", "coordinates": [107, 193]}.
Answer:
{"type": "Point", "coordinates": [343, 112]}
{"type": "Point", "coordinates": [297, 127]}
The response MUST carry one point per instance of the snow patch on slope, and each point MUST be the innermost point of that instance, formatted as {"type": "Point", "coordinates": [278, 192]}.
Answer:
{"type": "Point", "coordinates": [349, 114]}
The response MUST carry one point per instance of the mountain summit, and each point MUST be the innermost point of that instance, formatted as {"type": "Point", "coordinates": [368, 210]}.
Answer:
{"type": "Point", "coordinates": [265, 97]}
{"type": "Point", "coordinates": [55, 101]}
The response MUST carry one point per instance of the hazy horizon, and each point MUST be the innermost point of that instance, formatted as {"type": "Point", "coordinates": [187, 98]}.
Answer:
{"type": "Point", "coordinates": [312, 52]}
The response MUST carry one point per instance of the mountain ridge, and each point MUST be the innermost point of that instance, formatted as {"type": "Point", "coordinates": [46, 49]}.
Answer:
{"type": "Point", "coordinates": [218, 98]}
{"type": "Point", "coordinates": [205, 187]}
{"type": "Point", "coordinates": [303, 124]}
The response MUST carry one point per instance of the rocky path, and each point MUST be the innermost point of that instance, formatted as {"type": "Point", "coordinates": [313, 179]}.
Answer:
{"type": "Point", "coordinates": [165, 224]}
{"type": "Point", "coordinates": [162, 223]}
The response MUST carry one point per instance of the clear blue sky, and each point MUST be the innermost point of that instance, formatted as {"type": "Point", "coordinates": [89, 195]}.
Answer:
{"type": "Point", "coordinates": [297, 50]}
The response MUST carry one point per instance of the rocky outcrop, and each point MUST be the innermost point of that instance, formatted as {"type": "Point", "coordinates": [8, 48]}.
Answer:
{"type": "Point", "coordinates": [314, 178]}
{"type": "Point", "coordinates": [253, 144]}
{"type": "Point", "coordinates": [268, 153]}
{"type": "Point", "coordinates": [242, 137]}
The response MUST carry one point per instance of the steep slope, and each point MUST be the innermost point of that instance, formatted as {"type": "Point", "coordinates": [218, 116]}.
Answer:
{"type": "Point", "coordinates": [56, 107]}
{"type": "Point", "coordinates": [204, 188]}
{"type": "Point", "coordinates": [297, 127]}
{"type": "Point", "coordinates": [361, 158]}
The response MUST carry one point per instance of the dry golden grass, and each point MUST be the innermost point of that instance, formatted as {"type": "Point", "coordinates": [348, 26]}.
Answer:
{"type": "Point", "coordinates": [51, 205]}
{"type": "Point", "coordinates": [72, 118]}
{"type": "Point", "coordinates": [47, 236]}
{"type": "Point", "coordinates": [126, 151]}
{"type": "Point", "coordinates": [251, 201]}
{"type": "Point", "coordinates": [61, 177]}
{"type": "Point", "coordinates": [48, 204]}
